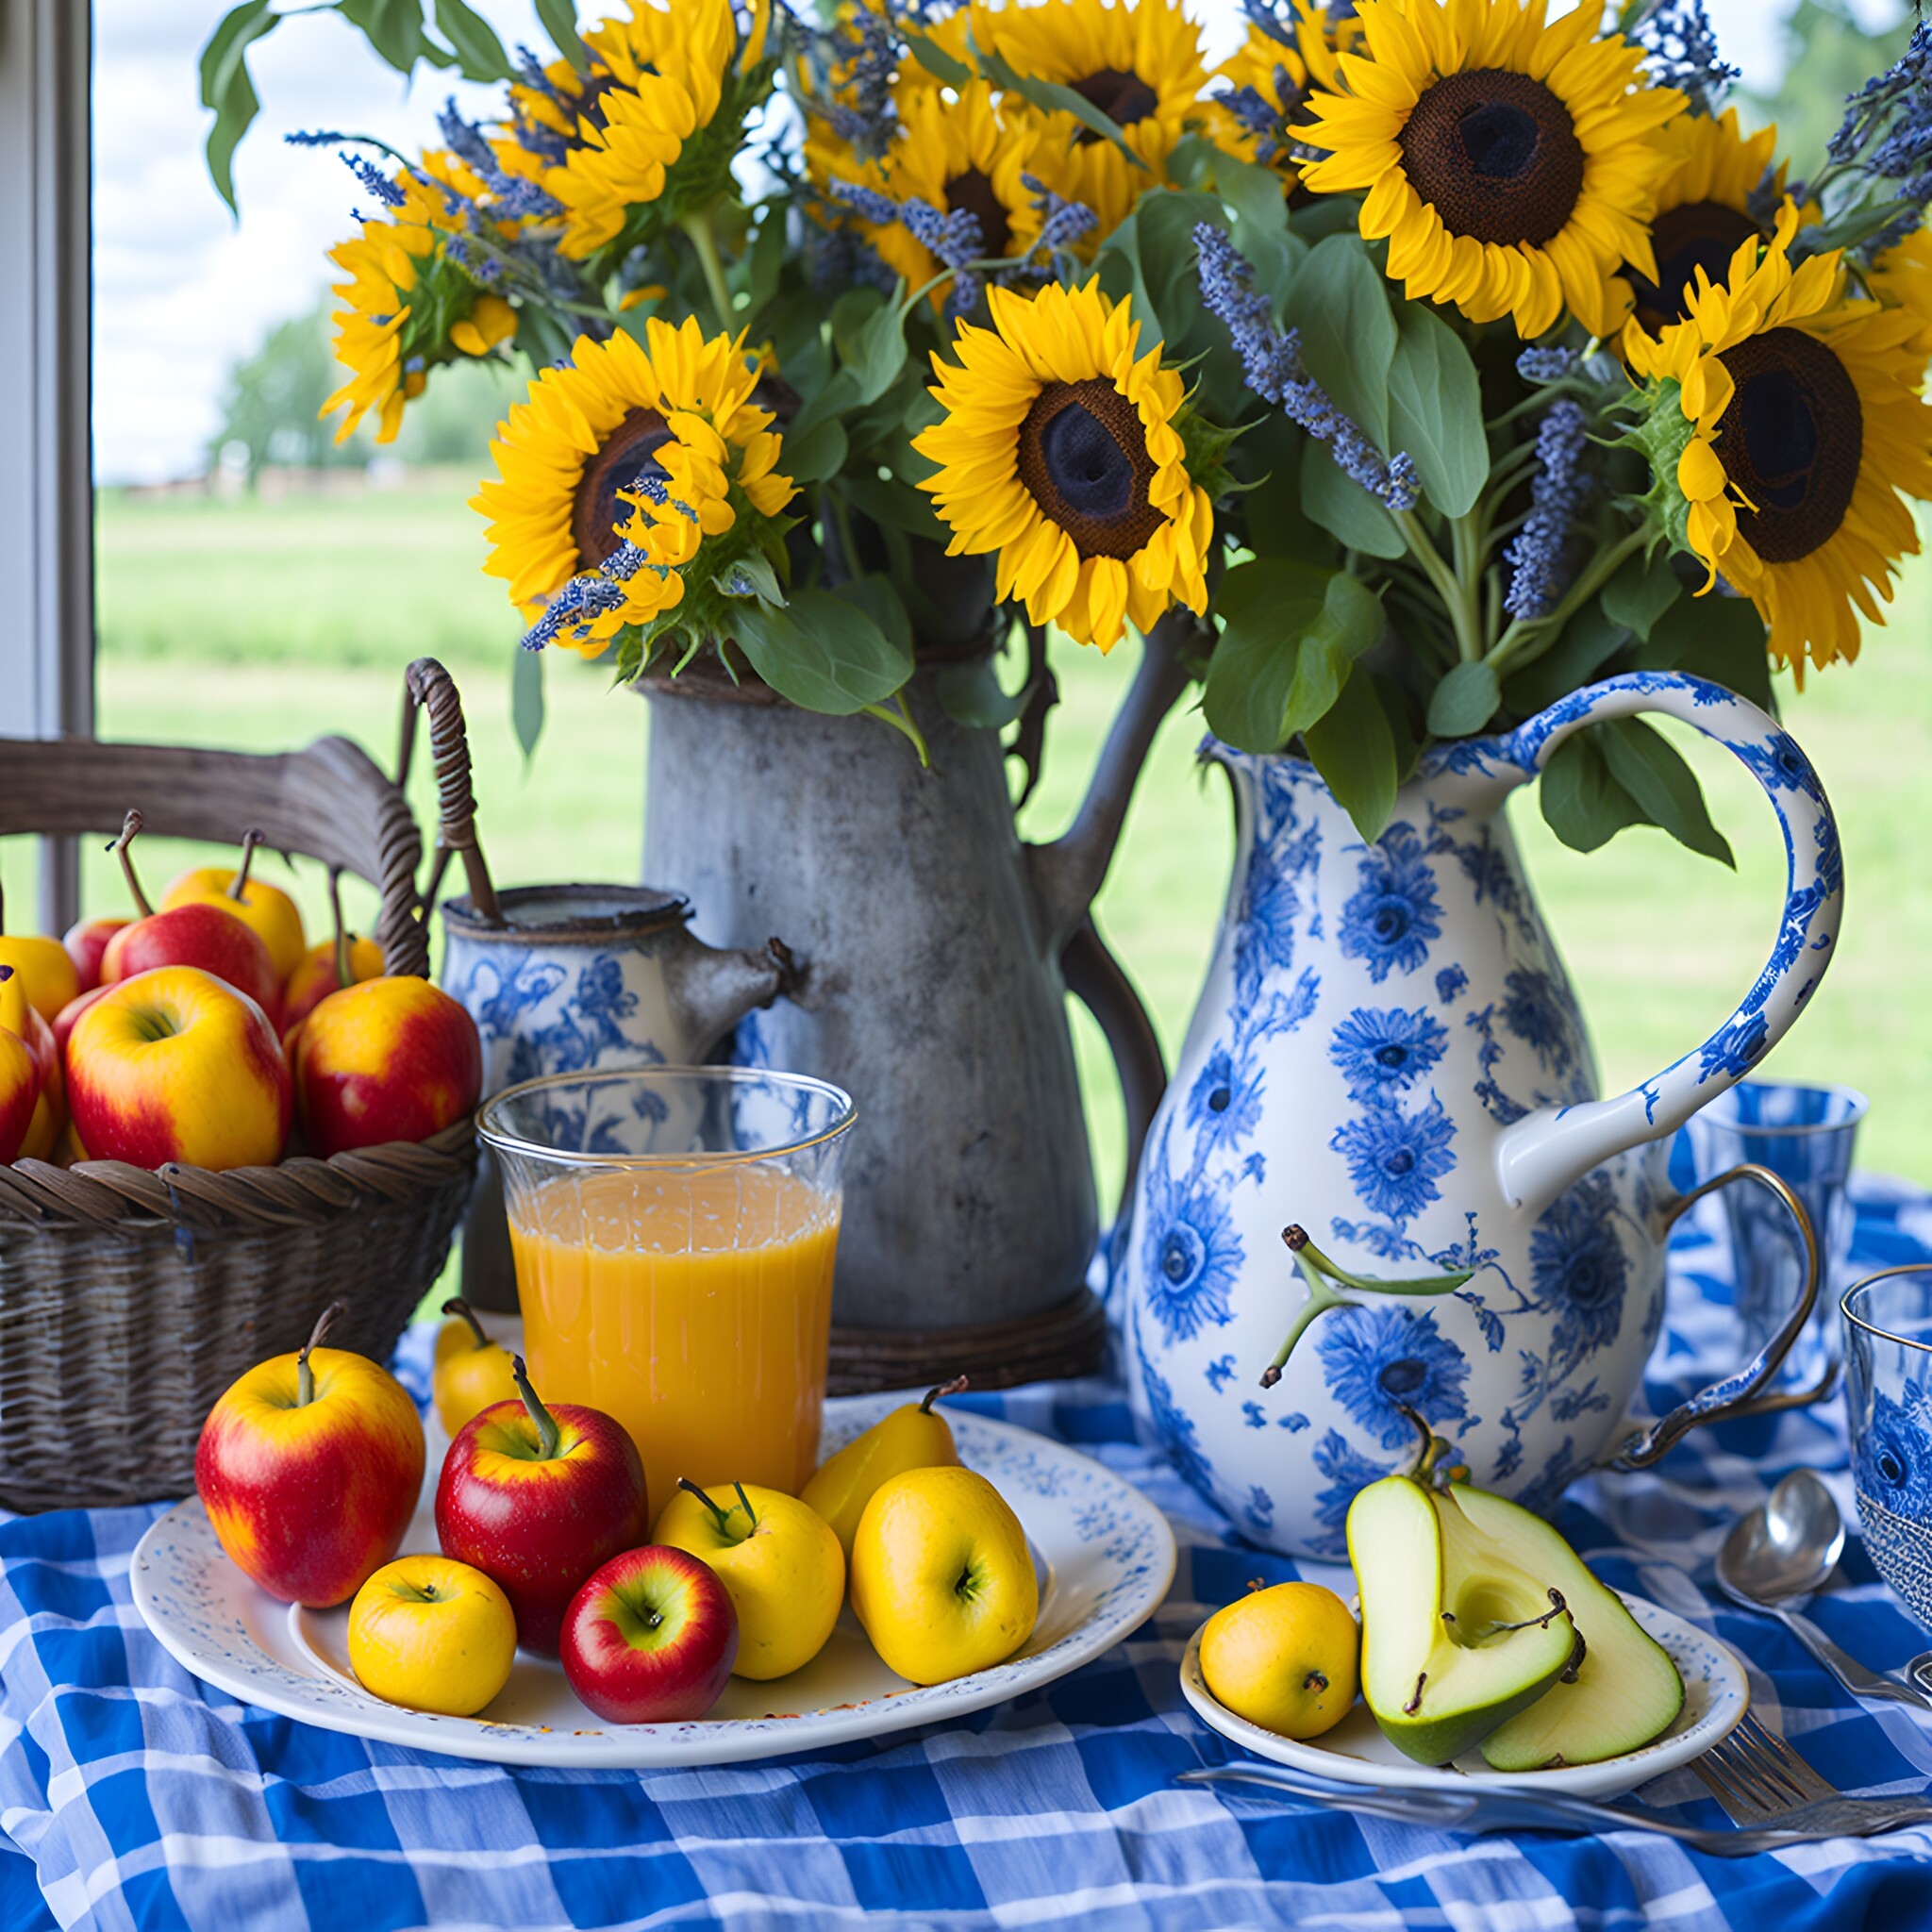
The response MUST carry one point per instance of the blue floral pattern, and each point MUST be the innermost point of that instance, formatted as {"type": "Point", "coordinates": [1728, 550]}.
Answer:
{"type": "Point", "coordinates": [1379, 1359]}
{"type": "Point", "coordinates": [1382, 1016]}
{"type": "Point", "coordinates": [1892, 1453]}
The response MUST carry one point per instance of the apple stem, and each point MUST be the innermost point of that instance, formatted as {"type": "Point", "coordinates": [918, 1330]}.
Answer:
{"type": "Point", "coordinates": [458, 1306]}
{"type": "Point", "coordinates": [723, 1515]}
{"type": "Point", "coordinates": [304, 1376]}
{"type": "Point", "coordinates": [958, 1386]}
{"type": "Point", "coordinates": [548, 1434]}
{"type": "Point", "coordinates": [335, 910]}
{"type": "Point", "coordinates": [130, 825]}
{"type": "Point", "coordinates": [238, 886]}
{"type": "Point", "coordinates": [746, 1501]}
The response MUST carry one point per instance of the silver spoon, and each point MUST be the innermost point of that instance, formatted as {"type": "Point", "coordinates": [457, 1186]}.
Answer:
{"type": "Point", "coordinates": [1777, 1556]}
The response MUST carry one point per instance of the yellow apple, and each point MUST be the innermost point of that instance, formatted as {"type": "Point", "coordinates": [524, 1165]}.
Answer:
{"type": "Point", "coordinates": [779, 1561]}
{"type": "Point", "coordinates": [471, 1370]}
{"type": "Point", "coordinates": [941, 1577]}
{"type": "Point", "coordinates": [1284, 1659]}
{"type": "Point", "coordinates": [432, 1634]}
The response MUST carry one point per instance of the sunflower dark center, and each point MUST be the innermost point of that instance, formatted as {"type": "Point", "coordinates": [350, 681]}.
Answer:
{"type": "Point", "coordinates": [1083, 457]}
{"type": "Point", "coordinates": [1496, 155]}
{"type": "Point", "coordinates": [1404, 1377]}
{"type": "Point", "coordinates": [1699, 235]}
{"type": "Point", "coordinates": [629, 453]}
{"type": "Point", "coordinates": [1791, 442]}
{"type": "Point", "coordinates": [1121, 95]}
{"type": "Point", "coordinates": [973, 192]}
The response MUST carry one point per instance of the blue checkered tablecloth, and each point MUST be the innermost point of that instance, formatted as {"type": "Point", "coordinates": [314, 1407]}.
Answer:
{"type": "Point", "coordinates": [131, 1795]}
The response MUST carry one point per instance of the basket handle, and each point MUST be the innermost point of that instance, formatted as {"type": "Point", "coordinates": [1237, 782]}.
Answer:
{"type": "Point", "coordinates": [427, 686]}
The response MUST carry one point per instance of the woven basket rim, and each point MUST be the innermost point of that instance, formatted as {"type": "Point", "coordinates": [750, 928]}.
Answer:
{"type": "Point", "coordinates": [303, 1190]}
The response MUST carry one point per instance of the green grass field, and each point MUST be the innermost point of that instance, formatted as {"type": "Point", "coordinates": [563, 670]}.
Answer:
{"type": "Point", "coordinates": [259, 627]}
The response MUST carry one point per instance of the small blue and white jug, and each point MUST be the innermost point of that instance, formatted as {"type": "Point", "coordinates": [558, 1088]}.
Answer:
{"type": "Point", "coordinates": [576, 977]}
{"type": "Point", "coordinates": [1387, 1052]}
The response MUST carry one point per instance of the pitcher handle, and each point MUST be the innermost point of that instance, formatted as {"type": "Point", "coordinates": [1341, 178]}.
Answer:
{"type": "Point", "coordinates": [1553, 1148]}
{"type": "Point", "coordinates": [1745, 1393]}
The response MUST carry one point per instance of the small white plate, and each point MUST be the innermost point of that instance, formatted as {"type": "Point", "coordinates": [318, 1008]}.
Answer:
{"type": "Point", "coordinates": [1716, 1695]}
{"type": "Point", "coordinates": [1104, 1553]}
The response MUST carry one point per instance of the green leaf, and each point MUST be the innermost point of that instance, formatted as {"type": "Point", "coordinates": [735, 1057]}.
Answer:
{"type": "Point", "coordinates": [1354, 750]}
{"type": "Point", "coordinates": [1581, 802]}
{"type": "Point", "coordinates": [1641, 591]}
{"type": "Point", "coordinates": [816, 455]}
{"type": "Point", "coordinates": [477, 49]}
{"type": "Point", "coordinates": [1436, 410]}
{"type": "Point", "coordinates": [869, 331]}
{"type": "Point", "coordinates": [1464, 701]}
{"type": "Point", "coordinates": [1261, 222]}
{"type": "Point", "coordinates": [1340, 303]}
{"type": "Point", "coordinates": [938, 62]}
{"type": "Point", "coordinates": [822, 652]}
{"type": "Point", "coordinates": [1587, 645]}
{"type": "Point", "coordinates": [753, 572]}
{"type": "Point", "coordinates": [1164, 229]}
{"type": "Point", "coordinates": [765, 263]}
{"type": "Point", "coordinates": [526, 697]}
{"type": "Point", "coordinates": [560, 20]}
{"type": "Point", "coordinates": [1289, 634]}
{"type": "Point", "coordinates": [394, 29]}
{"type": "Point", "coordinates": [1051, 98]}
{"type": "Point", "coordinates": [875, 595]}
{"type": "Point", "coordinates": [837, 393]}
{"type": "Point", "coordinates": [894, 504]}
{"type": "Point", "coordinates": [1650, 768]}
{"type": "Point", "coordinates": [1718, 638]}
{"type": "Point", "coordinates": [226, 87]}
{"type": "Point", "coordinates": [1344, 508]}
{"type": "Point", "coordinates": [970, 693]}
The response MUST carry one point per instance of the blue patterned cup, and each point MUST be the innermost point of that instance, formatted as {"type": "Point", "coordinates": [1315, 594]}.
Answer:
{"type": "Point", "coordinates": [1805, 1136]}
{"type": "Point", "coordinates": [1888, 1406]}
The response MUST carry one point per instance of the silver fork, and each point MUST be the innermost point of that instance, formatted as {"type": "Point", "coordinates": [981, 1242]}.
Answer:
{"type": "Point", "coordinates": [1761, 1781]}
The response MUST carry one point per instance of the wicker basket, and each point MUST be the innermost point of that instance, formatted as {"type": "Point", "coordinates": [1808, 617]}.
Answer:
{"type": "Point", "coordinates": [129, 1300]}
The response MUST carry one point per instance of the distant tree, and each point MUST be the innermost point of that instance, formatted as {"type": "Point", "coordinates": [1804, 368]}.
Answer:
{"type": "Point", "coordinates": [1827, 54]}
{"type": "Point", "coordinates": [272, 403]}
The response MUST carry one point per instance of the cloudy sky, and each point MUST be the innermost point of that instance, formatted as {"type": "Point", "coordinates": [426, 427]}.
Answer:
{"type": "Point", "coordinates": [182, 291]}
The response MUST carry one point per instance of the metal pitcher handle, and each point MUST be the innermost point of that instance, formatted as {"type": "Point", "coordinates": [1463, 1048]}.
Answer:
{"type": "Point", "coordinates": [1553, 1148]}
{"type": "Point", "coordinates": [1746, 1392]}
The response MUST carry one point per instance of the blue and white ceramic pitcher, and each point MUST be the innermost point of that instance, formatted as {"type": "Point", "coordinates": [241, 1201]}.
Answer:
{"type": "Point", "coordinates": [1388, 1050]}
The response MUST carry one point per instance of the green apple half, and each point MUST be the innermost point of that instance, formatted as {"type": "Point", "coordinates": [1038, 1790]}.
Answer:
{"type": "Point", "coordinates": [1458, 1633]}
{"type": "Point", "coordinates": [1627, 1690]}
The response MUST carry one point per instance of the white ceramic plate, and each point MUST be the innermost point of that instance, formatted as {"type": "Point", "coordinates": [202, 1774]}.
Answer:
{"type": "Point", "coordinates": [1716, 1695]}
{"type": "Point", "coordinates": [1104, 1553]}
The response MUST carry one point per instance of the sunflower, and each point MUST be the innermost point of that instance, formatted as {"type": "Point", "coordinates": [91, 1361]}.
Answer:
{"type": "Point", "coordinates": [628, 443]}
{"type": "Point", "coordinates": [406, 305]}
{"type": "Point", "coordinates": [1267, 82]}
{"type": "Point", "coordinates": [1510, 165]}
{"type": "Point", "coordinates": [1902, 278]}
{"type": "Point", "coordinates": [952, 152]}
{"type": "Point", "coordinates": [654, 124]}
{"type": "Point", "coordinates": [1800, 430]}
{"type": "Point", "coordinates": [1065, 455]}
{"type": "Point", "coordinates": [1138, 61]}
{"type": "Point", "coordinates": [1704, 208]}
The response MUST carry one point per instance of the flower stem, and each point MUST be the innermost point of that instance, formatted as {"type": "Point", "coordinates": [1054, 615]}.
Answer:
{"type": "Point", "coordinates": [698, 226]}
{"type": "Point", "coordinates": [1527, 639]}
{"type": "Point", "coordinates": [1458, 598]}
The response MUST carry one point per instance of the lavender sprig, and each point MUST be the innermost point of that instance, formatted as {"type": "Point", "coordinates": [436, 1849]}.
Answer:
{"type": "Point", "coordinates": [1682, 52]}
{"type": "Point", "coordinates": [373, 178]}
{"type": "Point", "coordinates": [1887, 135]}
{"type": "Point", "coordinates": [318, 136]}
{"type": "Point", "coordinates": [1272, 364]}
{"type": "Point", "coordinates": [512, 195]}
{"type": "Point", "coordinates": [1562, 486]}
{"type": "Point", "coordinates": [951, 236]}
{"type": "Point", "coordinates": [574, 609]}
{"type": "Point", "coordinates": [1544, 366]}
{"type": "Point", "coordinates": [1061, 224]}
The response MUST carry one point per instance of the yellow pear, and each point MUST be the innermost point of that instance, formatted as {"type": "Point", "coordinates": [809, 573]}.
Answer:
{"type": "Point", "coordinates": [471, 1370]}
{"type": "Point", "coordinates": [941, 1576]}
{"type": "Point", "coordinates": [915, 1437]}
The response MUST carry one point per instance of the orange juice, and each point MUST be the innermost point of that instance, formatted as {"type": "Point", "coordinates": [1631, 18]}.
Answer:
{"type": "Point", "coordinates": [695, 1305]}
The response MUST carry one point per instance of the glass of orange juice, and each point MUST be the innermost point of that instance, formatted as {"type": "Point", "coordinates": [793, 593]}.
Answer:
{"type": "Point", "coordinates": [673, 1229]}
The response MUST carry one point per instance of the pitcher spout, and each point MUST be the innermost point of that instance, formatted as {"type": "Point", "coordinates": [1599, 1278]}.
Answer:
{"type": "Point", "coordinates": [711, 989]}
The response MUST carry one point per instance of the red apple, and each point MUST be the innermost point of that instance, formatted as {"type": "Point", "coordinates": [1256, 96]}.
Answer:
{"type": "Point", "coordinates": [19, 1077]}
{"type": "Point", "coordinates": [388, 1060]}
{"type": "Point", "coordinates": [64, 1020]}
{"type": "Point", "coordinates": [536, 1499]}
{"type": "Point", "coordinates": [319, 974]}
{"type": "Point", "coordinates": [196, 934]}
{"type": "Point", "coordinates": [175, 1065]}
{"type": "Point", "coordinates": [310, 1468]}
{"type": "Point", "coordinates": [48, 1116]}
{"type": "Point", "coordinates": [86, 940]}
{"type": "Point", "coordinates": [651, 1637]}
